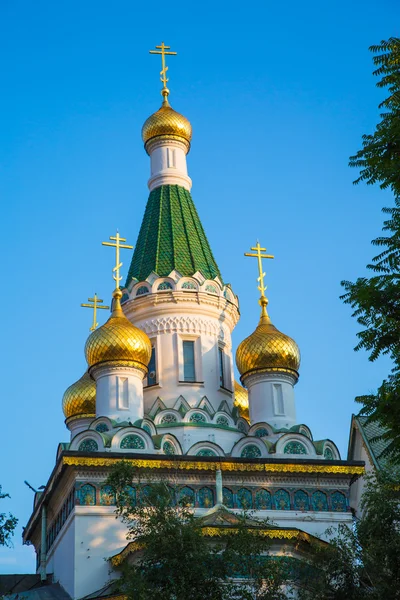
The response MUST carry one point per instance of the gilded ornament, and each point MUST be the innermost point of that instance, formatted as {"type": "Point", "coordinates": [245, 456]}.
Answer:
{"type": "Point", "coordinates": [166, 123]}
{"type": "Point", "coordinates": [80, 398]}
{"type": "Point", "coordinates": [241, 400]}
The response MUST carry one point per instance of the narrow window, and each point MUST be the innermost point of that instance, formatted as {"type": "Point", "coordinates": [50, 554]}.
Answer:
{"type": "Point", "coordinates": [152, 374]}
{"type": "Point", "coordinates": [278, 399]}
{"type": "Point", "coordinates": [171, 158]}
{"type": "Point", "coordinates": [221, 367]}
{"type": "Point", "coordinates": [123, 397]}
{"type": "Point", "coordinates": [188, 361]}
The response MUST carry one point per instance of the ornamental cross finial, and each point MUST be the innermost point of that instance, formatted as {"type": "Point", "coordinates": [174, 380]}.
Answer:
{"type": "Point", "coordinates": [258, 253]}
{"type": "Point", "coordinates": [164, 51]}
{"type": "Point", "coordinates": [96, 304]}
{"type": "Point", "coordinates": [117, 245]}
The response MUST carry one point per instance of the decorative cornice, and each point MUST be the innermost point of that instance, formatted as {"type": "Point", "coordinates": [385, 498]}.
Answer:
{"type": "Point", "coordinates": [156, 463]}
{"type": "Point", "coordinates": [118, 365]}
{"type": "Point", "coordinates": [82, 416]}
{"type": "Point", "coordinates": [268, 373]}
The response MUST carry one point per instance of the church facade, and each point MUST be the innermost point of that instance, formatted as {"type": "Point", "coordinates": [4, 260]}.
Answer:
{"type": "Point", "coordinates": [159, 391]}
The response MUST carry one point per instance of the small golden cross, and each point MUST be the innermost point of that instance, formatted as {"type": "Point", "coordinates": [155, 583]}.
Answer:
{"type": "Point", "coordinates": [117, 245]}
{"type": "Point", "coordinates": [163, 50]}
{"type": "Point", "coordinates": [96, 301]}
{"type": "Point", "coordinates": [257, 253]}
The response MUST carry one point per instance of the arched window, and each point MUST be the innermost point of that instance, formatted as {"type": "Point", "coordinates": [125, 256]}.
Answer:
{"type": "Point", "coordinates": [262, 432]}
{"type": "Point", "coordinates": [168, 448]}
{"type": "Point", "coordinates": [189, 285]}
{"type": "Point", "coordinates": [186, 496]}
{"type": "Point", "coordinates": [338, 501]}
{"type": "Point", "coordinates": [142, 290]}
{"type": "Point", "coordinates": [101, 428]}
{"type": "Point", "coordinates": [206, 452]}
{"type": "Point", "coordinates": [223, 421]}
{"type": "Point", "coordinates": [169, 418]}
{"type": "Point", "coordinates": [87, 495]}
{"type": "Point", "coordinates": [165, 285]}
{"type": "Point", "coordinates": [319, 501]}
{"type": "Point", "coordinates": [295, 448]}
{"type": "Point", "coordinates": [301, 501]}
{"type": "Point", "coordinates": [211, 289]}
{"type": "Point", "coordinates": [227, 497]}
{"type": "Point", "coordinates": [251, 451]}
{"type": "Point", "coordinates": [328, 454]}
{"type": "Point", "coordinates": [263, 500]}
{"type": "Point", "coordinates": [282, 500]}
{"type": "Point", "coordinates": [132, 442]}
{"type": "Point", "coordinates": [107, 496]}
{"type": "Point", "coordinates": [88, 445]}
{"type": "Point", "coordinates": [197, 418]}
{"type": "Point", "coordinates": [147, 428]}
{"type": "Point", "coordinates": [206, 497]}
{"type": "Point", "coordinates": [245, 499]}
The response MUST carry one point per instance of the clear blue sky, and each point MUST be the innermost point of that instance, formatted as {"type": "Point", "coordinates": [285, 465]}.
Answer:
{"type": "Point", "coordinates": [278, 94]}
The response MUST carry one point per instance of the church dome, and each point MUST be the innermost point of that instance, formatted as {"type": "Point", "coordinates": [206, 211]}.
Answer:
{"type": "Point", "coordinates": [241, 400]}
{"type": "Point", "coordinates": [80, 398]}
{"type": "Point", "coordinates": [118, 340]}
{"type": "Point", "coordinates": [166, 123]}
{"type": "Point", "coordinates": [267, 349]}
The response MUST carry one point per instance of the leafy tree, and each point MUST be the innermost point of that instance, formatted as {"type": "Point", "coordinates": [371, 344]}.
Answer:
{"type": "Point", "coordinates": [376, 300]}
{"type": "Point", "coordinates": [362, 562]}
{"type": "Point", "coordinates": [175, 561]}
{"type": "Point", "coordinates": [7, 524]}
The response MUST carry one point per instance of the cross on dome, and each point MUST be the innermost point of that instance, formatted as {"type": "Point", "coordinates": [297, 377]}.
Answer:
{"type": "Point", "coordinates": [258, 253]}
{"type": "Point", "coordinates": [96, 305]}
{"type": "Point", "coordinates": [118, 246]}
{"type": "Point", "coordinates": [164, 51]}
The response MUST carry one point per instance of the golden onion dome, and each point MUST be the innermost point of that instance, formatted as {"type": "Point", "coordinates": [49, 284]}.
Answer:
{"type": "Point", "coordinates": [166, 123]}
{"type": "Point", "coordinates": [118, 340]}
{"type": "Point", "coordinates": [80, 398]}
{"type": "Point", "coordinates": [241, 400]}
{"type": "Point", "coordinates": [267, 349]}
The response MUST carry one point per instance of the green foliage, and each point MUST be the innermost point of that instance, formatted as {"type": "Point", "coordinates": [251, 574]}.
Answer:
{"type": "Point", "coordinates": [376, 300]}
{"type": "Point", "coordinates": [379, 158]}
{"type": "Point", "coordinates": [362, 562]}
{"type": "Point", "coordinates": [7, 525]}
{"type": "Point", "coordinates": [175, 561]}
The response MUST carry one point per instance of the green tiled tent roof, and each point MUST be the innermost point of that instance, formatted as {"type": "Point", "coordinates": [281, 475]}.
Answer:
{"type": "Point", "coordinates": [171, 237]}
{"type": "Point", "coordinates": [371, 431]}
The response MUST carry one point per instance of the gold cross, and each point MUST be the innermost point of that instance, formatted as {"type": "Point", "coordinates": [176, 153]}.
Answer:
{"type": "Point", "coordinates": [117, 247]}
{"type": "Point", "coordinates": [163, 50]}
{"type": "Point", "coordinates": [96, 301]}
{"type": "Point", "coordinates": [257, 253]}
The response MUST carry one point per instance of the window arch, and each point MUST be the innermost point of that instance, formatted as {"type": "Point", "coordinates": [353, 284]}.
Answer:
{"type": "Point", "coordinates": [328, 454]}
{"type": "Point", "coordinates": [165, 285]}
{"type": "Point", "coordinates": [189, 285]}
{"type": "Point", "coordinates": [263, 500]}
{"type": "Point", "coordinates": [169, 448]}
{"type": "Point", "coordinates": [142, 290]}
{"type": "Point", "coordinates": [295, 448]}
{"type": "Point", "coordinates": [87, 495]}
{"type": "Point", "coordinates": [282, 500]}
{"type": "Point", "coordinates": [102, 427]}
{"type": "Point", "coordinates": [338, 501]}
{"type": "Point", "coordinates": [245, 498]}
{"type": "Point", "coordinates": [186, 496]}
{"type": "Point", "coordinates": [262, 432]}
{"type": "Point", "coordinates": [206, 497]}
{"type": "Point", "coordinates": [107, 496]}
{"type": "Point", "coordinates": [251, 451]}
{"type": "Point", "coordinates": [301, 500]}
{"type": "Point", "coordinates": [132, 442]}
{"type": "Point", "coordinates": [206, 452]}
{"type": "Point", "coordinates": [319, 501]}
{"type": "Point", "coordinates": [197, 418]}
{"type": "Point", "coordinates": [88, 445]}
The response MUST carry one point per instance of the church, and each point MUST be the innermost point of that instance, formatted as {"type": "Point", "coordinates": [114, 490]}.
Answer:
{"type": "Point", "coordinates": [159, 392]}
